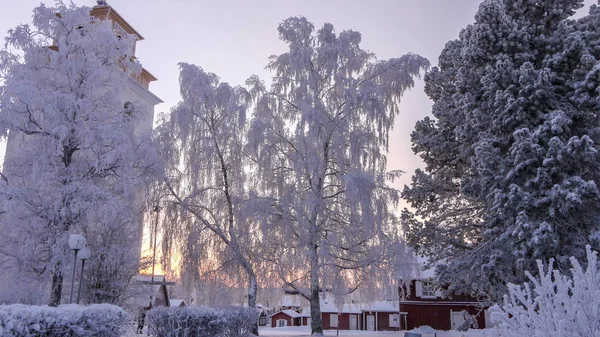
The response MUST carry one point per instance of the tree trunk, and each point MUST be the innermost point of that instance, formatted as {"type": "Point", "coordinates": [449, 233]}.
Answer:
{"type": "Point", "coordinates": [252, 288]}
{"type": "Point", "coordinates": [57, 285]}
{"type": "Point", "coordinates": [233, 240]}
{"type": "Point", "coordinates": [316, 321]}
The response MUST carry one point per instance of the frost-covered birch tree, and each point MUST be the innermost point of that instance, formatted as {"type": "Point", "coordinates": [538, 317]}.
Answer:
{"type": "Point", "coordinates": [512, 151]}
{"type": "Point", "coordinates": [203, 139]}
{"type": "Point", "coordinates": [73, 163]}
{"type": "Point", "coordinates": [319, 138]}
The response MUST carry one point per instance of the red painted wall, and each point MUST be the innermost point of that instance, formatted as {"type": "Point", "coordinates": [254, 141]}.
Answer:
{"type": "Point", "coordinates": [278, 316]}
{"type": "Point", "coordinates": [383, 321]}
{"type": "Point", "coordinates": [435, 312]}
{"type": "Point", "coordinates": [343, 321]}
{"type": "Point", "coordinates": [436, 316]}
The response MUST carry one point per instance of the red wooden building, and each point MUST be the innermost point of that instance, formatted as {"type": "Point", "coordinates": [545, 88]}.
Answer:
{"type": "Point", "coordinates": [373, 316]}
{"type": "Point", "coordinates": [425, 306]}
{"type": "Point", "coordinates": [381, 316]}
{"type": "Point", "coordinates": [305, 316]}
{"type": "Point", "coordinates": [350, 316]}
{"type": "Point", "coordinates": [285, 318]}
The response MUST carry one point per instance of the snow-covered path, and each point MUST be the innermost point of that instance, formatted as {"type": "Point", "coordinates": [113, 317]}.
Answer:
{"type": "Point", "coordinates": [305, 332]}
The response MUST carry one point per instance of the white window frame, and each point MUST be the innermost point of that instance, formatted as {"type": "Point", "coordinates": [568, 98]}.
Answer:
{"type": "Point", "coordinates": [427, 289]}
{"type": "Point", "coordinates": [279, 321]}
{"type": "Point", "coordinates": [394, 321]}
{"type": "Point", "coordinates": [333, 318]}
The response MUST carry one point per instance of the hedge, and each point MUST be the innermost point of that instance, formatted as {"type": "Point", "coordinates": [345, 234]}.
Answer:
{"type": "Point", "coordinates": [201, 322]}
{"type": "Point", "coordinates": [98, 320]}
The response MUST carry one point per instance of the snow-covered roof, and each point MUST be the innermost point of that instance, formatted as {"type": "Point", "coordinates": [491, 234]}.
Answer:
{"type": "Point", "coordinates": [288, 312]}
{"type": "Point", "coordinates": [347, 308]}
{"type": "Point", "coordinates": [355, 308]}
{"type": "Point", "coordinates": [305, 312]}
{"type": "Point", "coordinates": [424, 272]}
{"type": "Point", "coordinates": [175, 302]}
{"type": "Point", "coordinates": [148, 278]}
{"type": "Point", "coordinates": [291, 301]}
{"type": "Point", "coordinates": [382, 306]}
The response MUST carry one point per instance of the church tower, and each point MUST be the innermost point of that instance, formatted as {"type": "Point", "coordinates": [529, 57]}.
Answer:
{"type": "Point", "coordinates": [133, 98]}
{"type": "Point", "coordinates": [138, 99]}
{"type": "Point", "coordinates": [138, 96]}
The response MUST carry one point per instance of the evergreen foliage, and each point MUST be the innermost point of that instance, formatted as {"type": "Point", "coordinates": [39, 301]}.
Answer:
{"type": "Point", "coordinates": [511, 152]}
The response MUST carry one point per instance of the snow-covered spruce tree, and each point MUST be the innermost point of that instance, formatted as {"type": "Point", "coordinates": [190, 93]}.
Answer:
{"type": "Point", "coordinates": [203, 139]}
{"type": "Point", "coordinates": [319, 138]}
{"type": "Point", "coordinates": [553, 304]}
{"type": "Point", "coordinates": [73, 163]}
{"type": "Point", "coordinates": [511, 154]}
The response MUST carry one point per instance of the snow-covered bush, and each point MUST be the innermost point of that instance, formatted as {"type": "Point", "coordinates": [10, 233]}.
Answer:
{"type": "Point", "coordinates": [201, 321]}
{"type": "Point", "coordinates": [98, 320]}
{"type": "Point", "coordinates": [553, 305]}
{"type": "Point", "coordinates": [469, 321]}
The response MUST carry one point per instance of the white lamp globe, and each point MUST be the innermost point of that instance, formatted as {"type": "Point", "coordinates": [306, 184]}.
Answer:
{"type": "Point", "coordinates": [76, 241]}
{"type": "Point", "coordinates": [84, 253]}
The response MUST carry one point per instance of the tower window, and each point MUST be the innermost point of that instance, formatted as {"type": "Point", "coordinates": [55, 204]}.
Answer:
{"type": "Point", "coordinates": [128, 108]}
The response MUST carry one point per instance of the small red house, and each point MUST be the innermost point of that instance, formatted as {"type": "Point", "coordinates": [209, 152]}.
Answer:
{"type": "Point", "coordinates": [425, 305]}
{"type": "Point", "coordinates": [348, 318]}
{"type": "Point", "coordinates": [373, 316]}
{"type": "Point", "coordinates": [284, 318]}
{"type": "Point", "coordinates": [381, 316]}
{"type": "Point", "coordinates": [305, 316]}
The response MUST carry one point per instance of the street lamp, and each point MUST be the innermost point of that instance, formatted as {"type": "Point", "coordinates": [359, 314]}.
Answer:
{"type": "Point", "coordinates": [83, 255]}
{"type": "Point", "coordinates": [76, 242]}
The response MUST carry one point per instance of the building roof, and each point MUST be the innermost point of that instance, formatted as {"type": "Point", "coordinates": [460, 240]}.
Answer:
{"type": "Point", "coordinates": [305, 312]}
{"type": "Point", "coordinates": [355, 308]}
{"type": "Point", "coordinates": [158, 279]}
{"type": "Point", "coordinates": [288, 312]}
{"type": "Point", "coordinates": [173, 302]}
{"type": "Point", "coordinates": [148, 278]}
{"type": "Point", "coordinates": [291, 301]}
{"type": "Point", "coordinates": [382, 306]}
{"type": "Point", "coordinates": [426, 270]}
{"type": "Point", "coordinates": [347, 308]}
{"type": "Point", "coordinates": [104, 11]}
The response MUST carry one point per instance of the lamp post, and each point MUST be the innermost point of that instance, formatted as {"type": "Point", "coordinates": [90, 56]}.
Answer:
{"type": "Point", "coordinates": [157, 210]}
{"type": "Point", "coordinates": [76, 242]}
{"type": "Point", "coordinates": [83, 255]}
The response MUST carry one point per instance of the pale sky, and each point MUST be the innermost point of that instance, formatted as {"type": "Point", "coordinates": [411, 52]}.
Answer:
{"type": "Point", "coordinates": [233, 39]}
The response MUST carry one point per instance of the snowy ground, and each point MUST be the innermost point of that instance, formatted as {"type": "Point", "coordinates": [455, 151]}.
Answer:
{"type": "Point", "coordinates": [305, 331]}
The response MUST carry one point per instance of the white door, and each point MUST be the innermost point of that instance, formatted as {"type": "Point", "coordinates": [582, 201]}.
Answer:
{"type": "Point", "coordinates": [370, 323]}
{"type": "Point", "coordinates": [488, 320]}
{"type": "Point", "coordinates": [353, 322]}
{"type": "Point", "coordinates": [456, 319]}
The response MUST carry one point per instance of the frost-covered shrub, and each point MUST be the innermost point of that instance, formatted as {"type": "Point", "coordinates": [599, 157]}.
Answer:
{"type": "Point", "coordinates": [98, 320]}
{"type": "Point", "coordinates": [469, 321]}
{"type": "Point", "coordinates": [201, 321]}
{"type": "Point", "coordinates": [554, 304]}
